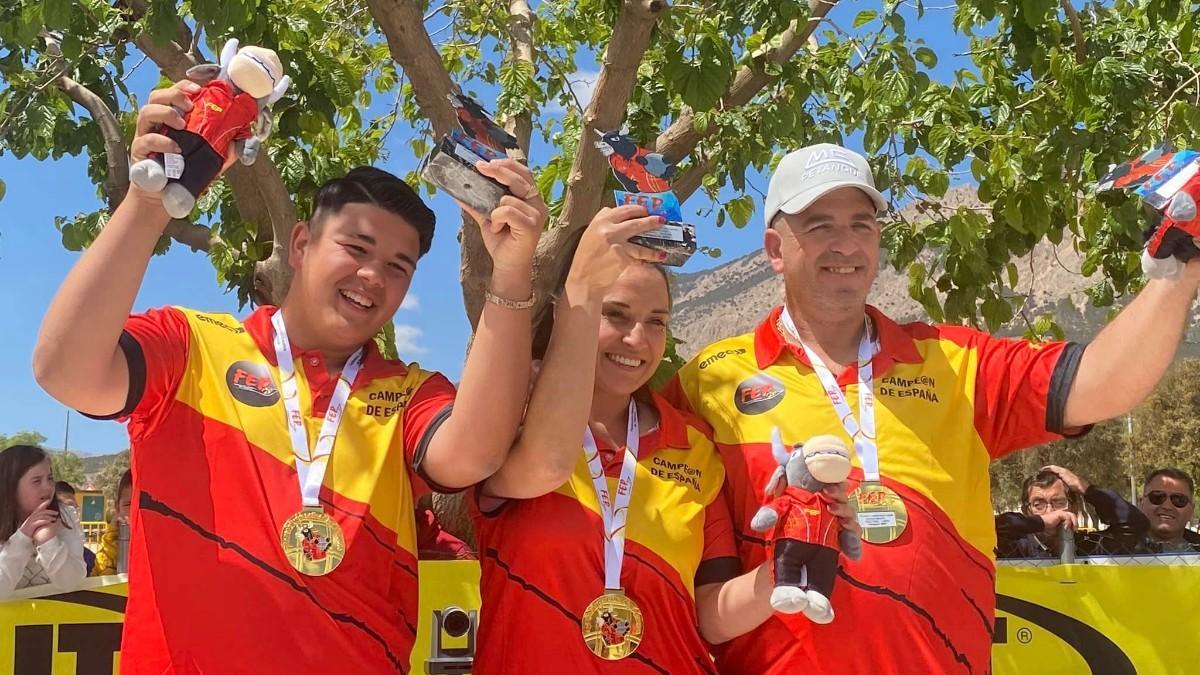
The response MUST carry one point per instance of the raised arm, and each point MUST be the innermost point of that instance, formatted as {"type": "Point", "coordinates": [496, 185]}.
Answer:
{"type": "Point", "coordinates": [77, 359]}
{"type": "Point", "coordinates": [1131, 354]}
{"type": "Point", "coordinates": [473, 442]}
{"type": "Point", "coordinates": [549, 445]}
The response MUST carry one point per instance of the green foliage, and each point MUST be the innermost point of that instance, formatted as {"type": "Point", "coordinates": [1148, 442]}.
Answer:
{"type": "Point", "coordinates": [1028, 121]}
{"type": "Point", "coordinates": [22, 438]}
{"type": "Point", "coordinates": [67, 466]}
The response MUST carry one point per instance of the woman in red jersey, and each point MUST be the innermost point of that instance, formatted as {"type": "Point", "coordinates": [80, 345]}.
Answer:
{"type": "Point", "coordinates": [605, 541]}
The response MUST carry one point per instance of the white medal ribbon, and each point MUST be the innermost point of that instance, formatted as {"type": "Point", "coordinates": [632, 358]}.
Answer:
{"type": "Point", "coordinates": [862, 430]}
{"type": "Point", "coordinates": [310, 465]}
{"type": "Point", "coordinates": [614, 513]}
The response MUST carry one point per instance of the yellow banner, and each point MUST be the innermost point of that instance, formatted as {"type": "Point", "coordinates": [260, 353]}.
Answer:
{"type": "Point", "coordinates": [1055, 620]}
{"type": "Point", "coordinates": [1099, 619]}
{"type": "Point", "coordinates": [76, 633]}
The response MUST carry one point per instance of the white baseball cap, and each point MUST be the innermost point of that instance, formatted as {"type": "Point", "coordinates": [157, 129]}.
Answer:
{"type": "Point", "coordinates": [805, 175]}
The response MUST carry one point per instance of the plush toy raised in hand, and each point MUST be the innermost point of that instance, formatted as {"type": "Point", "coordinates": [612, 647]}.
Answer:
{"type": "Point", "coordinates": [232, 106]}
{"type": "Point", "coordinates": [805, 536]}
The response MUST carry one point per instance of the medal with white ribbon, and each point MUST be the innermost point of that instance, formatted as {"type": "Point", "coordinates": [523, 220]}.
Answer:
{"type": "Point", "coordinates": [312, 541]}
{"type": "Point", "coordinates": [881, 513]}
{"type": "Point", "coordinates": [612, 623]}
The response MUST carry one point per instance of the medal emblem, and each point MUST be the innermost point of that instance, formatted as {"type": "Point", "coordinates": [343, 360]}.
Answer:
{"type": "Point", "coordinates": [612, 626]}
{"type": "Point", "coordinates": [881, 513]}
{"type": "Point", "coordinates": [312, 542]}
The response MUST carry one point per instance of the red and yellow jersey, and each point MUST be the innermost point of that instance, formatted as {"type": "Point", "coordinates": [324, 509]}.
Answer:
{"type": "Point", "coordinates": [214, 479]}
{"type": "Point", "coordinates": [949, 400]}
{"type": "Point", "coordinates": [220, 116]}
{"type": "Point", "coordinates": [542, 560]}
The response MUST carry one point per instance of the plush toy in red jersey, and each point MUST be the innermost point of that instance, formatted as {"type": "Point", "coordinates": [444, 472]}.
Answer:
{"type": "Point", "coordinates": [805, 537]}
{"type": "Point", "coordinates": [232, 109]}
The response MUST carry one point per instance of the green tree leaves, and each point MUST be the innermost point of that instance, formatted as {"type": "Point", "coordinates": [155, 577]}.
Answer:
{"type": "Point", "coordinates": [1028, 120]}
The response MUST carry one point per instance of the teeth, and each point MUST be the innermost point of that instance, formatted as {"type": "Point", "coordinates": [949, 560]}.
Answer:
{"type": "Point", "coordinates": [357, 299]}
{"type": "Point", "coordinates": [841, 270]}
{"type": "Point", "coordinates": [624, 360]}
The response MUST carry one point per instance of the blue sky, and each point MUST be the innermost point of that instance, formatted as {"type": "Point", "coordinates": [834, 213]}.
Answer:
{"type": "Point", "coordinates": [431, 328]}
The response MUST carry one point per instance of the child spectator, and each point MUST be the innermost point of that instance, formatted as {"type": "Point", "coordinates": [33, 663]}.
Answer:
{"type": "Point", "coordinates": [107, 557]}
{"type": "Point", "coordinates": [39, 542]}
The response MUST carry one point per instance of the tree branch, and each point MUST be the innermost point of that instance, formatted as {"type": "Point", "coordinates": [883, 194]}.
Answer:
{"type": "Point", "coordinates": [261, 196]}
{"type": "Point", "coordinates": [681, 137]}
{"type": "Point", "coordinates": [403, 25]}
{"type": "Point", "coordinates": [605, 112]}
{"type": "Point", "coordinates": [194, 236]}
{"type": "Point", "coordinates": [1076, 30]}
{"type": "Point", "coordinates": [520, 31]}
{"type": "Point", "coordinates": [116, 154]}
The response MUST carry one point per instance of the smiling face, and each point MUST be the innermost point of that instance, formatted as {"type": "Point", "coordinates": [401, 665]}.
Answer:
{"type": "Point", "coordinates": [1167, 521]}
{"type": "Point", "coordinates": [828, 253]}
{"type": "Point", "coordinates": [351, 275]}
{"type": "Point", "coordinates": [34, 488]}
{"type": "Point", "coordinates": [633, 331]}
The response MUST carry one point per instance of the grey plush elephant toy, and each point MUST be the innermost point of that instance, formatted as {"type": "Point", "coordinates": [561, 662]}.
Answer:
{"type": "Point", "coordinates": [805, 536]}
{"type": "Point", "coordinates": [232, 106]}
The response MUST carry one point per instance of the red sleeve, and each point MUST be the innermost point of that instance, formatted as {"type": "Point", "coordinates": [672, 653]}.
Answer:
{"type": "Point", "coordinates": [1021, 391]}
{"type": "Point", "coordinates": [718, 561]}
{"type": "Point", "coordinates": [435, 543]}
{"type": "Point", "coordinates": [155, 345]}
{"type": "Point", "coordinates": [427, 409]}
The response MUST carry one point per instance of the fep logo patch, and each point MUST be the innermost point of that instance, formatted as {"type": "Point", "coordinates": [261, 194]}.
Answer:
{"type": "Point", "coordinates": [758, 394]}
{"type": "Point", "coordinates": [251, 383]}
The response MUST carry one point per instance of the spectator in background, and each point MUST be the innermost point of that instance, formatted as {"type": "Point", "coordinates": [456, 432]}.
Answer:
{"type": "Point", "coordinates": [39, 542]}
{"type": "Point", "coordinates": [106, 559]}
{"type": "Point", "coordinates": [1169, 503]}
{"type": "Point", "coordinates": [65, 493]}
{"type": "Point", "coordinates": [1054, 497]}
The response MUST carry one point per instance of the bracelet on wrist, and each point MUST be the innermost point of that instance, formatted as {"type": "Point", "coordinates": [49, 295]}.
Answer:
{"type": "Point", "coordinates": [507, 303]}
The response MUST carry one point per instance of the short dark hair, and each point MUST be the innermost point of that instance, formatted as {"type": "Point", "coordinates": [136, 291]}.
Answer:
{"type": "Point", "coordinates": [15, 461]}
{"type": "Point", "coordinates": [1045, 479]}
{"type": "Point", "coordinates": [126, 483]}
{"type": "Point", "coordinates": [63, 486]}
{"type": "Point", "coordinates": [368, 185]}
{"type": "Point", "coordinates": [1172, 472]}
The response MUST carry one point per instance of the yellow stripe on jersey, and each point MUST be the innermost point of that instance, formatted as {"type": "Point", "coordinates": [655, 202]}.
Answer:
{"type": "Point", "coordinates": [368, 462]}
{"type": "Point", "coordinates": [924, 413]}
{"type": "Point", "coordinates": [671, 487]}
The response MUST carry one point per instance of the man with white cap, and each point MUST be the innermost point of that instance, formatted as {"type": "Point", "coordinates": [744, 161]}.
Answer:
{"type": "Point", "coordinates": [927, 409]}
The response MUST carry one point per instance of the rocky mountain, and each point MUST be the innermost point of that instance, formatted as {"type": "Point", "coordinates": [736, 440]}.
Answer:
{"type": "Point", "coordinates": [732, 298]}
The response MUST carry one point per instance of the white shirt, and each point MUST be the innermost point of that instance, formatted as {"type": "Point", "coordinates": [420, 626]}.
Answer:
{"type": "Point", "coordinates": [59, 561]}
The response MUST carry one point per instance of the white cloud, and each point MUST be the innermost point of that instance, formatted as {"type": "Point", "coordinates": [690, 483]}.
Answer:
{"type": "Point", "coordinates": [407, 338]}
{"type": "Point", "coordinates": [582, 84]}
{"type": "Point", "coordinates": [411, 301]}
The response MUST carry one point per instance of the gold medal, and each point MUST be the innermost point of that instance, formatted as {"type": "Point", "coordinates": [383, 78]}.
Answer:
{"type": "Point", "coordinates": [881, 512]}
{"type": "Point", "coordinates": [312, 542]}
{"type": "Point", "coordinates": [612, 625]}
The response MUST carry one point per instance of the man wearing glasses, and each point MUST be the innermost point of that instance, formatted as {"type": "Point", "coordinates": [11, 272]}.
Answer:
{"type": "Point", "coordinates": [1051, 498]}
{"type": "Point", "coordinates": [1169, 503]}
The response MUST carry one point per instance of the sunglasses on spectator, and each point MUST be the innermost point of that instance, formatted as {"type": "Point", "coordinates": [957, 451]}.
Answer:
{"type": "Point", "coordinates": [1040, 505]}
{"type": "Point", "coordinates": [1178, 499]}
